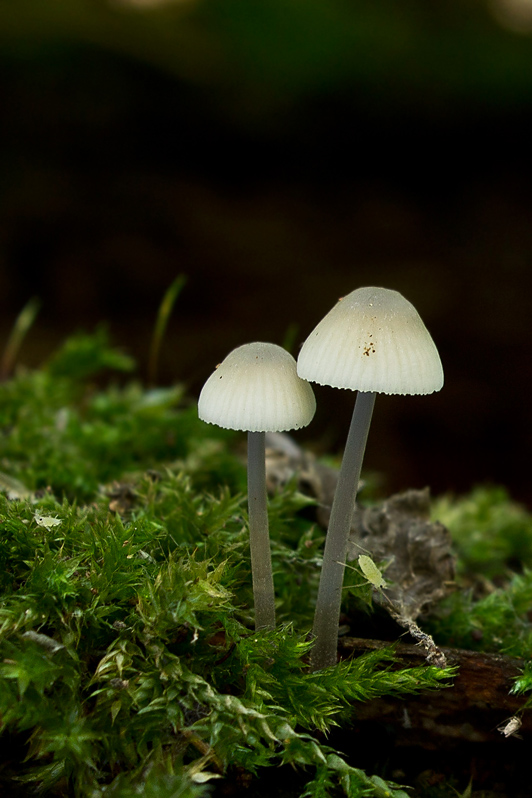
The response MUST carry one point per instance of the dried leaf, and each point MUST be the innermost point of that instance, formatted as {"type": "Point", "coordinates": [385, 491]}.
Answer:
{"type": "Point", "coordinates": [418, 551]}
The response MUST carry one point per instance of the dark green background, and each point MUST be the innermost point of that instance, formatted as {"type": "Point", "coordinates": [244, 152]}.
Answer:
{"type": "Point", "coordinates": [281, 153]}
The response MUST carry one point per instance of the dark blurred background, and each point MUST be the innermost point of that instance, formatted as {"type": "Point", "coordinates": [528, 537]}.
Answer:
{"type": "Point", "coordinates": [280, 153]}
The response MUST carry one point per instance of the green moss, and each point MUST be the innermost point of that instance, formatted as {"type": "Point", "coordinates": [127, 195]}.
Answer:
{"type": "Point", "coordinates": [128, 659]}
{"type": "Point", "coordinates": [60, 431]}
{"type": "Point", "coordinates": [491, 533]}
{"type": "Point", "coordinates": [490, 609]}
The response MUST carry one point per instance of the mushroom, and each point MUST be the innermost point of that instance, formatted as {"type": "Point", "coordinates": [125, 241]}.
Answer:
{"type": "Point", "coordinates": [256, 389]}
{"type": "Point", "coordinates": [372, 341]}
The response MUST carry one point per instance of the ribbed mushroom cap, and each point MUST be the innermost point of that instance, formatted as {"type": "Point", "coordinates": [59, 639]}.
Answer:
{"type": "Point", "coordinates": [256, 388]}
{"type": "Point", "coordinates": [372, 340]}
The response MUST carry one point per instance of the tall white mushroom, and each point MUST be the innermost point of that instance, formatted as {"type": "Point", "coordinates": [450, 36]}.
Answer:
{"type": "Point", "coordinates": [256, 389]}
{"type": "Point", "coordinates": [372, 341]}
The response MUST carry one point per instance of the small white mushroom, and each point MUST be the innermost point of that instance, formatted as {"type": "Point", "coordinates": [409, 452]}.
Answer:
{"type": "Point", "coordinates": [256, 389]}
{"type": "Point", "coordinates": [372, 341]}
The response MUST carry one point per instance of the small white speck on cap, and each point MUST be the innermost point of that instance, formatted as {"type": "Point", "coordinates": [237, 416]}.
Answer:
{"type": "Point", "coordinates": [256, 389]}
{"type": "Point", "coordinates": [374, 341]}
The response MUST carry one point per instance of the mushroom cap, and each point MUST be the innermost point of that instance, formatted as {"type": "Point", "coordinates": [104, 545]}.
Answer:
{"type": "Point", "coordinates": [256, 388]}
{"type": "Point", "coordinates": [372, 340]}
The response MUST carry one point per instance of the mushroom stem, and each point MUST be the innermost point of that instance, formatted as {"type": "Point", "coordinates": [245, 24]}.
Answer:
{"type": "Point", "coordinates": [259, 537]}
{"type": "Point", "coordinates": [327, 616]}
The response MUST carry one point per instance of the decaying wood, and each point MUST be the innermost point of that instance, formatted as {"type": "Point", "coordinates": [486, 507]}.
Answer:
{"type": "Point", "coordinates": [478, 707]}
{"type": "Point", "coordinates": [472, 709]}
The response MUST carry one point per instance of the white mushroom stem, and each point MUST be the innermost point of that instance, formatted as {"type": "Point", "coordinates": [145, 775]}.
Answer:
{"type": "Point", "coordinates": [259, 537]}
{"type": "Point", "coordinates": [327, 616]}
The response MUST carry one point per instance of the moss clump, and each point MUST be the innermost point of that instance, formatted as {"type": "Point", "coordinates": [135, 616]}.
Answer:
{"type": "Point", "coordinates": [492, 535]}
{"type": "Point", "coordinates": [128, 664]}
{"type": "Point", "coordinates": [59, 430]}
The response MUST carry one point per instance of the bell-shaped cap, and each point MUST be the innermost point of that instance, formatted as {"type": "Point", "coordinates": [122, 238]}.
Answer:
{"type": "Point", "coordinates": [256, 388]}
{"type": "Point", "coordinates": [373, 340]}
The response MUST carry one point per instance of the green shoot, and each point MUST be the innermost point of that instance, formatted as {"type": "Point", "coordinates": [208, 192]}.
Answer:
{"type": "Point", "coordinates": [163, 316]}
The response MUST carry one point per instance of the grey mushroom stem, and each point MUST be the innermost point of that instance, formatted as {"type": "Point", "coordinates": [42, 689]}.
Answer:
{"type": "Point", "coordinates": [327, 615]}
{"type": "Point", "coordinates": [259, 536]}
